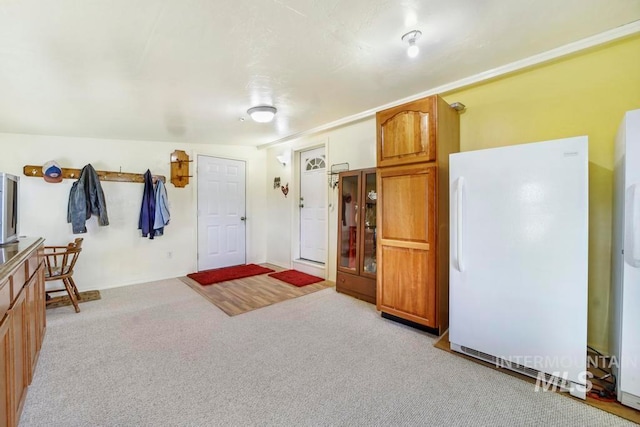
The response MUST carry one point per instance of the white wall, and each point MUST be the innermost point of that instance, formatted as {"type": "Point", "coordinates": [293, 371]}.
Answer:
{"type": "Point", "coordinates": [279, 225]}
{"type": "Point", "coordinates": [117, 255]}
{"type": "Point", "coordinates": [354, 144]}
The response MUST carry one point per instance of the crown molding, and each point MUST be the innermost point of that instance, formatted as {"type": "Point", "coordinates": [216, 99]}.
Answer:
{"type": "Point", "coordinates": [541, 58]}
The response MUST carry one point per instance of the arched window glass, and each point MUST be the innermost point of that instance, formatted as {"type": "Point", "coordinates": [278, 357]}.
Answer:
{"type": "Point", "coordinates": [315, 163]}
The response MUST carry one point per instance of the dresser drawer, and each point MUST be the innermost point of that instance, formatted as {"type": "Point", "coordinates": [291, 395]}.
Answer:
{"type": "Point", "coordinates": [360, 287]}
{"type": "Point", "coordinates": [33, 262]}
{"type": "Point", "coordinates": [18, 279]}
{"type": "Point", "coordinates": [5, 297]}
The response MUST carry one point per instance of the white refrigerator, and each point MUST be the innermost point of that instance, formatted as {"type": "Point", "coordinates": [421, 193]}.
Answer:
{"type": "Point", "coordinates": [625, 268]}
{"type": "Point", "coordinates": [519, 257]}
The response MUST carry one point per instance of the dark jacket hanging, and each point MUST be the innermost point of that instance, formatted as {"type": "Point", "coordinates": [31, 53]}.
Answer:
{"type": "Point", "coordinates": [86, 198]}
{"type": "Point", "coordinates": [148, 209]}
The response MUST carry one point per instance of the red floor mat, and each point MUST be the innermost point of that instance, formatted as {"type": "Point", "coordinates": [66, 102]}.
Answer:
{"type": "Point", "coordinates": [296, 278]}
{"type": "Point", "coordinates": [209, 277]}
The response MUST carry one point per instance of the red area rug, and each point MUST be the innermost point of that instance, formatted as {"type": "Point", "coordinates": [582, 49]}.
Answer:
{"type": "Point", "coordinates": [209, 277]}
{"type": "Point", "coordinates": [296, 278]}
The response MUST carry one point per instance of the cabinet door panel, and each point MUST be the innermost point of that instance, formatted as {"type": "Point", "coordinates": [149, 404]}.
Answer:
{"type": "Point", "coordinates": [5, 297]}
{"type": "Point", "coordinates": [18, 331]}
{"type": "Point", "coordinates": [404, 207]}
{"type": "Point", "coordinates": [368, 248]}
{"type": "Point", "coordinates": [18, 278]}
{"type": "Point", "coordinates": [408, 278]}
{"type": "Point", "coordinates": [406, 134]}
{"type": "Point", "coordinates": [32, 264]}
{"type": "Point", "coordinates": [6, 408]}
{"type": "Point", "coordinates": [41, 306]}
{"type": "Point", "coordinates": [31, 324]}
{"type": "Point", "coordinates": [407, 255]}
{"type": "Point", "coordinates": [348, 219]}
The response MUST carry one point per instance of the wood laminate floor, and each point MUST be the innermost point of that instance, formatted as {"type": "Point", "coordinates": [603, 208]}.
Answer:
{"type": "Point", "coordinates": [242, 295]}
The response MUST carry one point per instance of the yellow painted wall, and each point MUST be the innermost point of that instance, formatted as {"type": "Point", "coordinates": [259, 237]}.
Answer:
{"type": "Point", "coordinates": [584, 94]}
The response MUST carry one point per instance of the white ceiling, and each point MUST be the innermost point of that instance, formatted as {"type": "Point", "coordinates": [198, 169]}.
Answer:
{"type": "Point", "coordinates": [187, 70]}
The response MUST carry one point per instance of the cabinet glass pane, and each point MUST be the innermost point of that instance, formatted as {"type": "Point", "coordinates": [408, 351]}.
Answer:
{"type": "Point", "coordinates": [348, 228]}
{"type": "Point", "coordinates": [370, 199]}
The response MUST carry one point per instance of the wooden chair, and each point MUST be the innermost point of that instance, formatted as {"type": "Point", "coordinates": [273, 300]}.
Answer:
{"type": "Point", "coordinates": [59, 263]}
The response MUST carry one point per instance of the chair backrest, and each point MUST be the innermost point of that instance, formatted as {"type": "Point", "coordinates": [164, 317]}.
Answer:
{"type": "Point", "coordinates": [77, 242]}
{"type": "Point", "coordinates": [60, 260]}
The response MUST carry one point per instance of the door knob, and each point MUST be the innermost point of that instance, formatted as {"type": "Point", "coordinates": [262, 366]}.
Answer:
{"type": "Point", "coordinates": [243, 218]}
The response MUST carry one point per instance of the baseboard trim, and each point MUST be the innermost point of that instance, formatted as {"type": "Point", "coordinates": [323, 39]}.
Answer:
{"type": "Point", "coordinates": [415, 325]}
{"type": "Point", "coordinates": [310, 267]}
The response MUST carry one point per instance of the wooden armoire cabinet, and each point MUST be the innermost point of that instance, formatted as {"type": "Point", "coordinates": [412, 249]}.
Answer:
{"type": "Point", "coordinates": [357, 228]}
{"type": "Point", "coordinates": [414, 141]}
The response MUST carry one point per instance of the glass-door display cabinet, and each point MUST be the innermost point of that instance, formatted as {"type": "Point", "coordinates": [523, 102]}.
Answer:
{"type": "Point", "coordinates": [357, 196]}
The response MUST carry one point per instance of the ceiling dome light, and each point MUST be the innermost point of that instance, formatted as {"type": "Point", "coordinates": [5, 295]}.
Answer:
{"type": "Point", "coordinates": [410, 38]}
{"type": "Point", "coordinates": [262, 113]}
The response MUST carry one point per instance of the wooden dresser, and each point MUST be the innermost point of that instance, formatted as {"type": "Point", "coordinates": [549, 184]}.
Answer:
{"type": "Point", "coordinates": [22, 310]}
{"type": "Point", "coordinates": [414, 141]}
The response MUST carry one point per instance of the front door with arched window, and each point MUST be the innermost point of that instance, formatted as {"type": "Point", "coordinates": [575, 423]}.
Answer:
{"type": "Point", "coordinates": [313, 213]}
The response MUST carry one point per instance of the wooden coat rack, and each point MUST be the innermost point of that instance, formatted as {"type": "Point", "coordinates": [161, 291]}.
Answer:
{"type": "Point", "coordinates": [67, 173]}
{"type": "Point", "coordinates": [180, 168]}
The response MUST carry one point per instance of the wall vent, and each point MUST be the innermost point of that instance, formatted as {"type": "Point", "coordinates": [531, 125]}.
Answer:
{"type": "Point", "coordinates": [499, 362]}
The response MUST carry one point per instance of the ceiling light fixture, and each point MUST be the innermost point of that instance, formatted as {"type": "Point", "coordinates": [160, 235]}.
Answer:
{"type": "Point", "coordinates": [410, 38]}
{"type": "Point", "coordinates": [262, 113]}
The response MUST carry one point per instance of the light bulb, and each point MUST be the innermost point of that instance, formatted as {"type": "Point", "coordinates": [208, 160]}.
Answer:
{"type": "Point", "coordinates": [410, 38]}
{"type": "Point", "coordinates": [413, 50]}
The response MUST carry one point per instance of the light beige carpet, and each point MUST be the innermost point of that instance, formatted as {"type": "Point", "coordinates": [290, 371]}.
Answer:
{"type": "Point", "coordinates": [615, 408]}
{"type": "Point", "coordinates": [158, 354]}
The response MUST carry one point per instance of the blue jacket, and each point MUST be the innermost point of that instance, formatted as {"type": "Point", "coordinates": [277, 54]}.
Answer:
{"type": "Point", "coordinates": [86, 198]}
{"type": "Point", "coordinates": [148, 208]}
{"type": "Point", "coordinates": [162, 215]}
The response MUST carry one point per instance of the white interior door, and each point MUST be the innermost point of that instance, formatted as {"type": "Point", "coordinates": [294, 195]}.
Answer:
{"type": "Point", "coordinates": [221, 212]}
{"type": "Point", "coordinates": [313, 222]}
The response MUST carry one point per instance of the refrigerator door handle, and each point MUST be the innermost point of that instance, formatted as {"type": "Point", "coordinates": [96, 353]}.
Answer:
{"type": "Point", "coordinates": [459, 230]}
{"type": "Point", "coordinates": [632, 216]}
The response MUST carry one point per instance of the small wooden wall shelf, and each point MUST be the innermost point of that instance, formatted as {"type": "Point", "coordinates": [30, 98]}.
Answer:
{"type": "Point", "coordinates": [67, 173]}
{"type": "Point", "coordinates": [180, 168]}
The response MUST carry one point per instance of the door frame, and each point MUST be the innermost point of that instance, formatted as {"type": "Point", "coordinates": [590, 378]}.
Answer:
{"type": "Point", "coordinates": [247, 204]}
{"type": "Point", "coordinates": [295, 208]}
